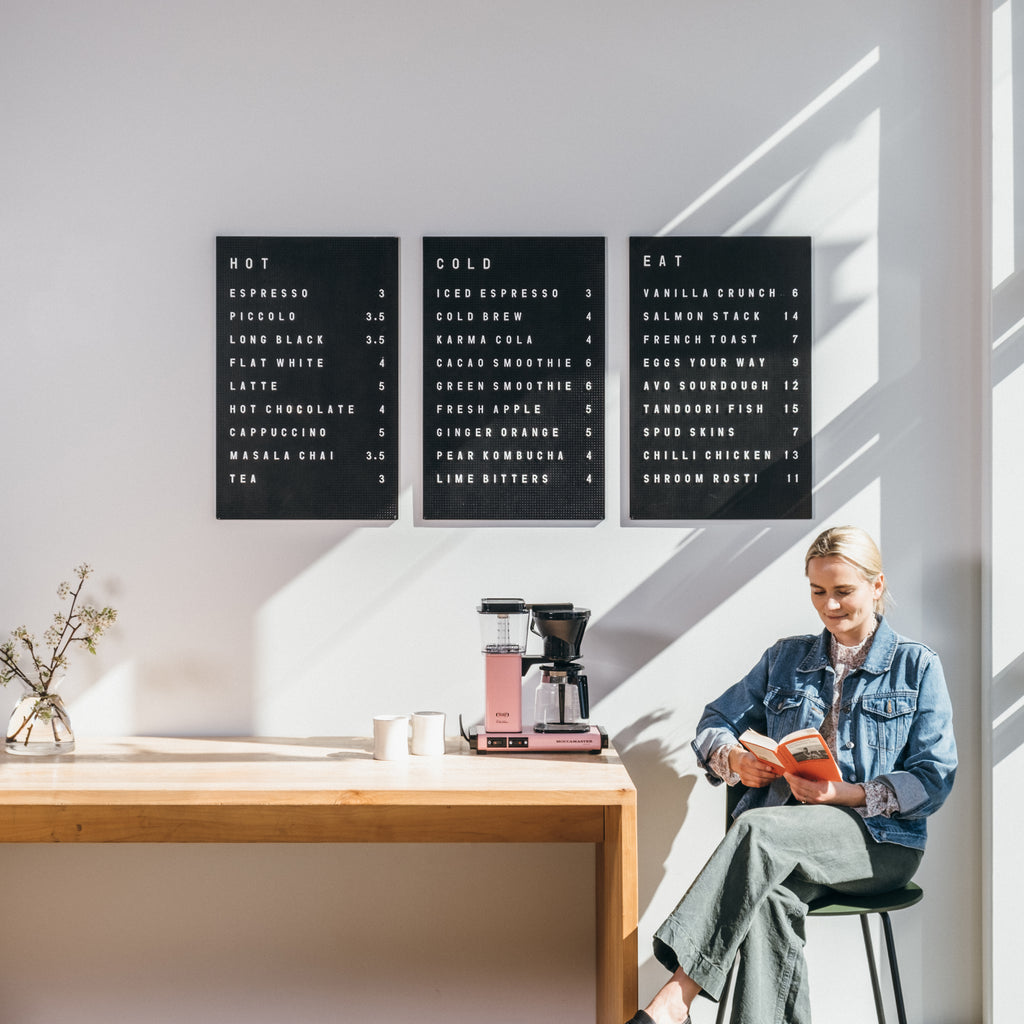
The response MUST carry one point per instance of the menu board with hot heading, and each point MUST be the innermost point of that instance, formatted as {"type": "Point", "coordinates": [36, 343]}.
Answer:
{"type": "Point", "coordinates": [513, 378]}
{"type": "Point", "coordinates": [307, 378]}
{"type": "Point", "coordinates": [720, 378]}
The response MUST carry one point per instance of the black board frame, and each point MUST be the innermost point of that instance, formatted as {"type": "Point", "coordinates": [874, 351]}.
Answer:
{"type": "Point", "coordinates": [468, 282]}
{"type": "Point", "coordinates": [307, 419]}
{"type": "Point", "coordinates": [720, 378]}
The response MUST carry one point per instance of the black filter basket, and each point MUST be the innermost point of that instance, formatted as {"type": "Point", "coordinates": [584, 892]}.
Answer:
{"type": "Point", "coordinates": [562, 629]}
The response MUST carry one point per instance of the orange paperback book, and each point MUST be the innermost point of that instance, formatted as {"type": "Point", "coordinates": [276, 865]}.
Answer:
{"type": "Point", "coordinates": [804, 753]}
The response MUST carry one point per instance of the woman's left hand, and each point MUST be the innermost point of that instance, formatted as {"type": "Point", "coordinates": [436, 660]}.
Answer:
{"type": "Point", "coordinates": [811, 791]}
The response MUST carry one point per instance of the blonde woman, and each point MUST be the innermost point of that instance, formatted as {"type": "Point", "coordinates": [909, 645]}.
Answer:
{"type": "Point", "coordinates": [881, 704]}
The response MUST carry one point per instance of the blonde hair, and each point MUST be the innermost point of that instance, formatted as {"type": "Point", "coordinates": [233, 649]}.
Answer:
{"type": "Point", "coordinates": [855, 546]}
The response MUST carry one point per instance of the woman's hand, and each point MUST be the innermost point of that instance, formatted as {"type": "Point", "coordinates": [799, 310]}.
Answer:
{"type": "Point", "coordinates": [811, 791]}
{"type": "Point", "coordinates": [752, 772]}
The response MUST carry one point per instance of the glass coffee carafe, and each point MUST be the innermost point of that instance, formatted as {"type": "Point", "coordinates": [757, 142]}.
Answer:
{"type": "Point", "coordinates": [561, 703]}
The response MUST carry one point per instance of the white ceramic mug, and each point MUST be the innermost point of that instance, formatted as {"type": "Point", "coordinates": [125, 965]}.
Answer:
{"type": "Point", "coordinates": [390, 737]}
{"type": "Point", "coordinates": [428, 733]}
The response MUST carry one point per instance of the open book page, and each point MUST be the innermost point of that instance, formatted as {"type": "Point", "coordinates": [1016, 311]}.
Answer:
{"type": "Point", "coordinates": [807, 748]}
{"type": "Point", "coordinates": [763, 748]}
{"type": "Point", "coordinates": [808, 755]}
{"type": "Point", "coordinates": [803, 752]}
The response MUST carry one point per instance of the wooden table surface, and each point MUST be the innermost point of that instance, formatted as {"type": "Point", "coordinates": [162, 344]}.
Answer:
{"type": "Point", "coordinates": [261, 789]}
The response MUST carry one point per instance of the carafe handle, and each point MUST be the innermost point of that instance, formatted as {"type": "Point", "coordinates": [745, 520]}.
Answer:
{"type": "Point", "coordinates": [584, 697]}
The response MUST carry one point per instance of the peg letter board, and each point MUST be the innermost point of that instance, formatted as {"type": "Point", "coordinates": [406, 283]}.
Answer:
{"type": "Point", "coordinates": [513, 378]}
{"type": "Point", "coordinates": [307, 378]}
{"type": "Point", "coordinates": [720, 378]}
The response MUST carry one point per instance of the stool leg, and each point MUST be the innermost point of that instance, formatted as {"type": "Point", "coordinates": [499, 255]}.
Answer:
{"type": "Point", "coordinates": [870, 949]}
{"type": "Point", "coordinates": [894, 969]}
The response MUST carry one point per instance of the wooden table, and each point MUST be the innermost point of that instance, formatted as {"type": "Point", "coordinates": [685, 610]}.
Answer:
{"type": "Point", "coordinates": [263, 790]}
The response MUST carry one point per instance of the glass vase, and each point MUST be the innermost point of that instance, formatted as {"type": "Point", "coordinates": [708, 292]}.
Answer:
{"type": "Point", "coordinates": [40, 724]}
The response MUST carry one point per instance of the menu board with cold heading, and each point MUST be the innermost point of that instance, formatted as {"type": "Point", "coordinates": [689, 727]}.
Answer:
{"type": "Point", "coordinates": [720, 378]}
{"type": "Point", "coordinates": [513, 378]}
{"type": "Point", "coordinates": [307, 378]}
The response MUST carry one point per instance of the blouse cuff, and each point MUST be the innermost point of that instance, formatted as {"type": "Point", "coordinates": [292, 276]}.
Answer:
{"type": "Point", "coordinates": [880, 800]}
{"type": "Point", "coordinates": [718, 762]}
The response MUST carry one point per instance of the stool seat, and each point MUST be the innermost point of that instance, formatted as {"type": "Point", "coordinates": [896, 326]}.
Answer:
{"type": "Point", "coordinates": [843, 904]}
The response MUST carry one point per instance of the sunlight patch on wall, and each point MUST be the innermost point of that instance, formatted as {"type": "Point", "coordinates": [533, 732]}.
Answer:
{"type": "Point", "coordinates": [843, 186]}
{"type": "Point", "coordinates": [1007, 502]}
{"type": "Point", "coordinates": [772, 602]}
{"type": "Point", "coordinates": [802, 117]}
{"type": "Point", "coordinates": [104, 707]}
{"type": "Point", "coordinates": [1008, 385]}
{"type": "Point", "coordinates": [340, 640]}
{"type": "Point", "coordinates": [1008, 714]}
{"type": "Point", "coordinates": [1007, 685]}
{"type": "Point", "coordinates": [1009, 334]}
{"type": "Point", "coordinates": [838, 470]}
{"type": "Point", "coordinates": [1003, 240]}
{"type": "Point", "coordinates": [846, 363]}
{"type": "Point", "coordinates": [698, 660]}
{"type": "Point", "coordinates": [835, 199]}
{"type": "Point", "coordinates": [329, 644]}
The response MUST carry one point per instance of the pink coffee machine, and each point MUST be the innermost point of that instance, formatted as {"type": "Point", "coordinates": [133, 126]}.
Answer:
{"type": "Point", "coordinates": [505, 625]}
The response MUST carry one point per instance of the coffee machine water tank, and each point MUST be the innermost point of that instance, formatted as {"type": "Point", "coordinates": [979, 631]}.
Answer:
{"type": "Point", "coordinates": [504, 623]}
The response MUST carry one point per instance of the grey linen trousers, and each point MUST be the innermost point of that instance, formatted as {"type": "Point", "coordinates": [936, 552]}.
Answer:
{"type": "Point", "coordinates": [751, 897]}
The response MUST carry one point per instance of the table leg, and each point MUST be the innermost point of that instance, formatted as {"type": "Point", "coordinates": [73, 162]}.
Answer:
{"type": "Point", "coordinates": [617, 912]}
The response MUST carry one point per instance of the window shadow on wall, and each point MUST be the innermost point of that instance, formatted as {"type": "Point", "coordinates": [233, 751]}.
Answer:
{"type": "Point", "coordinates": [1007, 688]}
{"type": "Point", "coordinates": [884, 427]}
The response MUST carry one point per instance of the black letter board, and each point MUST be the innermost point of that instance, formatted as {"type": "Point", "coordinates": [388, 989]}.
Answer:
{"type": "Point", "coordinates": [307, 378]}
{"type": "Point", "coordinates": [720, 378]}
{"type": "Point", "coordinates": [513, 378]}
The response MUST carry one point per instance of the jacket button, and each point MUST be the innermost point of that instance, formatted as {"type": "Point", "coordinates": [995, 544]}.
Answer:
{"type": "Point", "coordinates": [848, 746]}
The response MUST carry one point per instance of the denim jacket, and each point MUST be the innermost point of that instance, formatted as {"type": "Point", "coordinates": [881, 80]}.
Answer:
{"type": "Point", "coordinates": [895, 723]}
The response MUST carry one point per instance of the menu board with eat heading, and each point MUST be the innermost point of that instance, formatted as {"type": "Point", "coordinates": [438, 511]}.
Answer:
{"type": "Point", "coordinates": [307, 378]}
{"type": "Point", "coordinates": [720, 378]}
{"type": "Point", "coordinates": [513, 378]}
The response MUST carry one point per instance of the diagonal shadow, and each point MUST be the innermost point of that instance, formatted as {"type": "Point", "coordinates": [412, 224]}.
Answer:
{"type": "Point", "coordinates": [1008, 690]}
{"type": "Point", "coordinates": [711, 566]}
{"type": "Point", "coordinates": [650, 766]}
{"type": "Point", "coordinates": [1007, 312]}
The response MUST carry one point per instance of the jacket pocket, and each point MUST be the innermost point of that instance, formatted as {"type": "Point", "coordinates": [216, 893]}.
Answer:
{"type": "Point", "coordinates": [786, 710]}
{"type": "Point", "coordinates": [886, 720]}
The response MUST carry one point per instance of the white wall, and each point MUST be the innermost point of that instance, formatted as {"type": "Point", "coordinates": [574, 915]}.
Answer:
{"type": "Point", "coordinates": [135, 134]}
{"type": "Point", "coordinates": [1007, 644]}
